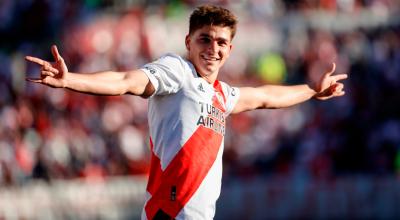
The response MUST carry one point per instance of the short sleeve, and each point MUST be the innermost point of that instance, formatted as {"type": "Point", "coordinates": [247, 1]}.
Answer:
{"type": "Point", "coordinates": [232, 96]}
{"type": "Point", "coordinates": [166, 74]}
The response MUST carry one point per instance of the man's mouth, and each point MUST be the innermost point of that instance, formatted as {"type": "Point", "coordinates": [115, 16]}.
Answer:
{"type": "Point", "coordinates": [209, 58]}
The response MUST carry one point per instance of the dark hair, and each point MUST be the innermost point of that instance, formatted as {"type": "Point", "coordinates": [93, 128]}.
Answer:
{"type": "Point", "coordinates": [212, 15]}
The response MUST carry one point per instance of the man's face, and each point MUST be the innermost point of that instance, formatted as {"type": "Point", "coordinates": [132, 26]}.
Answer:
{"type": "Point", "coordinates": [208, 49]}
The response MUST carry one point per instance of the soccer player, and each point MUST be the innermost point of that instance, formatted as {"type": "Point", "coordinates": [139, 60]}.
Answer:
{"type": "Point", "coordinates": [188, 107]}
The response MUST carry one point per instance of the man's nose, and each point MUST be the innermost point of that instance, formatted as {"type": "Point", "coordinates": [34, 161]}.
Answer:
{"type": "Point", "coordinates": [213, 47]}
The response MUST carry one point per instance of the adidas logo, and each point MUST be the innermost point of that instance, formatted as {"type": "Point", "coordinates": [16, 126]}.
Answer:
{"type": "Point", "coordinates": [200, 87]}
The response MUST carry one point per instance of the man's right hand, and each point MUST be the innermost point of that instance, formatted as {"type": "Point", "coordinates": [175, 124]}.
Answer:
{"type": "Point", "coordinates": [51, 74]}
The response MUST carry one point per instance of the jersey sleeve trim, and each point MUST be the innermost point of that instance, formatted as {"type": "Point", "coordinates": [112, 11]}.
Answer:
{"type": "Point", "coordinates": [232, 97]}
{"type": "Point", "coordinates": [165, 74]}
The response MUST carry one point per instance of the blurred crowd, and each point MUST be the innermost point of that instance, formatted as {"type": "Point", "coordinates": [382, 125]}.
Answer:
{"type": "Point", "coordinates": [52, 134]}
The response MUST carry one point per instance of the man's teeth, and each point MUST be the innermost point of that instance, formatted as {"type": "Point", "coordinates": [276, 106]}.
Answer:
{"type": "Point", "coordinates": [210, 58]}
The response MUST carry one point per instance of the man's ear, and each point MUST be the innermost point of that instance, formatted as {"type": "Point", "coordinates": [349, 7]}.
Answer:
{"type": "Point", "coordinates": [230, 49]}
{"type": "Point", "coordinates": [187, 42]}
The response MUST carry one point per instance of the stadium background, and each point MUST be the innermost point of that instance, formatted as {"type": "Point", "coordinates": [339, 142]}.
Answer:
{"type": "Point", "coordinates": [65, 155]}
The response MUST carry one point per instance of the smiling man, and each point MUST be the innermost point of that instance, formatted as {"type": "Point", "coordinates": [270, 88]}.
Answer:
{"type": "Point", "coordinates": [188, 108]}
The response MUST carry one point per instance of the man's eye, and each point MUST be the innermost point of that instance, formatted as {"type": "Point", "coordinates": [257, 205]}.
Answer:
{"type": "Point", "coordinates": [204, 40]}
{"type": "Point", "coordinates": [222, 43]}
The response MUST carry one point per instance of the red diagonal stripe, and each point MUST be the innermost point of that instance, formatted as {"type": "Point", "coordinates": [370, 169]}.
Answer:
{"type": "Point", "coordinates": [217, 86]}
{"type": "Point", "coordinates": [155, 172]}
{"type": "Point", "coordinates": [217, 104]}
{"type": "Point", "coordinates": [185, 172]}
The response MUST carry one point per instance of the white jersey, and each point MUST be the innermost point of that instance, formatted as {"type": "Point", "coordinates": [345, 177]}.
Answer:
{"type": "Point", "coordinates": [187, 126]}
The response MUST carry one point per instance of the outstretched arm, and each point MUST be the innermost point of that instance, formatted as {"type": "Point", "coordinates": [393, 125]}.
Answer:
{"type": "Point", "coordinates": [275, 96]}
{"type": "Point", "coordinates": [100, 83]}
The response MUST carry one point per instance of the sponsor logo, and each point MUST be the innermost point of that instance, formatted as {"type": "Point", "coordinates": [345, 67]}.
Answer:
{"type": "Point", "coordinates": [212, 118]}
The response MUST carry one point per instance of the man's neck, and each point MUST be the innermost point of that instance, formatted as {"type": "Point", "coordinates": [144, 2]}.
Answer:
{"type": "Point", "coordinates": [209, 78]}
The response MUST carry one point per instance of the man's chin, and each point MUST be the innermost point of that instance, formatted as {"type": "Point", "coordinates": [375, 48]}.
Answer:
{"type": "Point", "coordinates": [208, 70]}
{"type": "Point", "coordinates": [211, 68]}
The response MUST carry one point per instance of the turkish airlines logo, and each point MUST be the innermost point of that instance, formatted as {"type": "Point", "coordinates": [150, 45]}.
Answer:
{"type": "Point", "coordinates": [212, 117]}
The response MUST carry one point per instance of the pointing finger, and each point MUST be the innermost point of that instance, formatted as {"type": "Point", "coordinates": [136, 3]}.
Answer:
{"type": "Point", "coordinates": [55, 53]}
{"type": "Point", "coordinates": [36, 60]}
{"type": "Point", "coordinates": [34, 80]}
{"type": "Point", "coordinates": [339, 77]}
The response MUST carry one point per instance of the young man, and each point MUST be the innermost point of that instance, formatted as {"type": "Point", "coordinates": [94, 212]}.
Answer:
{"type": "Point", "coordinates": [188, 107]}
